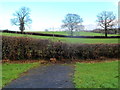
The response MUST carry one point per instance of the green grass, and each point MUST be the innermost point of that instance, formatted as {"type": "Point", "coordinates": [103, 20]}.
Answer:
{"type": "Point", "coordinates": [81, 33]}
{"type": "Point", "coordinates": [68, 40]}
{"type": "Point", "coordinates": [13, 71]}
{"type": "Point", "coordinates": [0, 75]}
{"type": "Point", "coordinates": [52, 32]}
{"type": "Point", "coordinates": [96, 75]}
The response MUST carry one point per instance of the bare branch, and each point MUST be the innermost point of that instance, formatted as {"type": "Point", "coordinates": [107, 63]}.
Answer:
{"type": "Point", "coordinates": [22, 18]}
{"type": "Point", "coordinates": [71, 21]}
{"type": "Point", "coordinates": [105, 20]}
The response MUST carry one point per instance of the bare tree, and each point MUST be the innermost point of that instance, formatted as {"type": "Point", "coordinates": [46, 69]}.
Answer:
{"type": "Point", "coordinates": [119, 17]}
{"type": "Point", "coordinates": [106, 20]}
{"type": "Point", "coordinates": [46, 30]}
{"type": "Point", "coordinates": [71, 21]}
{"type": "Point", "coordinates": [22, 18]}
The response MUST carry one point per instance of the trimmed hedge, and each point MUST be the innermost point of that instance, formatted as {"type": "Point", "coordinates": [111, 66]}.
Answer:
{"type": "Point", "coordinates": [21, 48]}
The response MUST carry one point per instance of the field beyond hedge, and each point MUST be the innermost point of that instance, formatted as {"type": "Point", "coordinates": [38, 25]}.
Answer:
{"type": "Point", "coordinates": [81, 33]}
{"type": "Point", "coordinates": [70, 40]}
{"type": "Point", "coordinates": [96, 75]}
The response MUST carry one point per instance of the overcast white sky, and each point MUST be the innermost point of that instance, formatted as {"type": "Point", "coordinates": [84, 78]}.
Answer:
{"type": "Point", "coordinates": [47, 14]}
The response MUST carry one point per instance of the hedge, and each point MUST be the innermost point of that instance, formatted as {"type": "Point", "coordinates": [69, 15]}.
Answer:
{"type": "Point", "coordinates": [21, 48]}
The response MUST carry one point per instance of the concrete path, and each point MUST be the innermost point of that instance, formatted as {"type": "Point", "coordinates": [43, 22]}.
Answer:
{"type": "Point", "coordinates": [46, 76]}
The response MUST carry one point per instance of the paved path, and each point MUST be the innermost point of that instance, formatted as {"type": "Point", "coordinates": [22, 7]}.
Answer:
{"type": "Point", "coordinates": [46, 76]}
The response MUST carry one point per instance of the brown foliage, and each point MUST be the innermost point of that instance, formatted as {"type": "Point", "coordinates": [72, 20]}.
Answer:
{"type": "Point", "coordinates": [20, 48]}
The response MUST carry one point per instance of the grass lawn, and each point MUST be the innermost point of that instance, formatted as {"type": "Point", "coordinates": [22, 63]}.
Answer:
{"type": "Point", "coordinates": [68, 40]}
{"type": "Point", "coordinates": [96, 75]}
{"type": "Point", "coordinates": [12, 71]}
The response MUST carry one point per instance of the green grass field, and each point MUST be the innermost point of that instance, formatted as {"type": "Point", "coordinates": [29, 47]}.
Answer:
{"type": "Point", "coordinates": [12, 71]}
{"type": "Point", "coordinates": [68, 40]}
{"type": "Point", "coordinates": [81, 33]}
{"type": "Point", "coordinates": [96, 75]}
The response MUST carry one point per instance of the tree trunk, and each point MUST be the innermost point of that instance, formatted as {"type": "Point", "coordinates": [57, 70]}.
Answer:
{"type": "Point", "coordinates": [105, 31]}
{"type": "Point", "coordinates": [71, 32]}
{"type": "Point", "coordinates": [21, 31]}
{"type": "Point", "coordinates": [22, 28]}
{"type": "Point", "coordinates": [119, 30]}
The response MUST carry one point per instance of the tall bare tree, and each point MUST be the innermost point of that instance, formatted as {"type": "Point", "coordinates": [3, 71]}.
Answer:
{"type": "Point", "coordinates": [119, 17]}
{"type": "Point", "coordinates": [71, 21]}
{"type": "Point", "coordinates": [22, 18]}
{"type": "Point", "coordinates": [106, 19]}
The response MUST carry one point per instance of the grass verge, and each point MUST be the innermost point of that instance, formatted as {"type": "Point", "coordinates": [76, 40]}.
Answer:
{"type": "Point", "coordinates": [11, 71]}
{"type": "Point", "coordinates": [96, 75]}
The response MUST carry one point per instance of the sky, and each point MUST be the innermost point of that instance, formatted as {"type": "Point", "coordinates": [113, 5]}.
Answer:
{"type": "Point", "coordinates": [48, 14]}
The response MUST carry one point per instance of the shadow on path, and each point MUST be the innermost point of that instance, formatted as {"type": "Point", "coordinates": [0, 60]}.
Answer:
{"type": "Point", "coordinates": [46, 76]}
